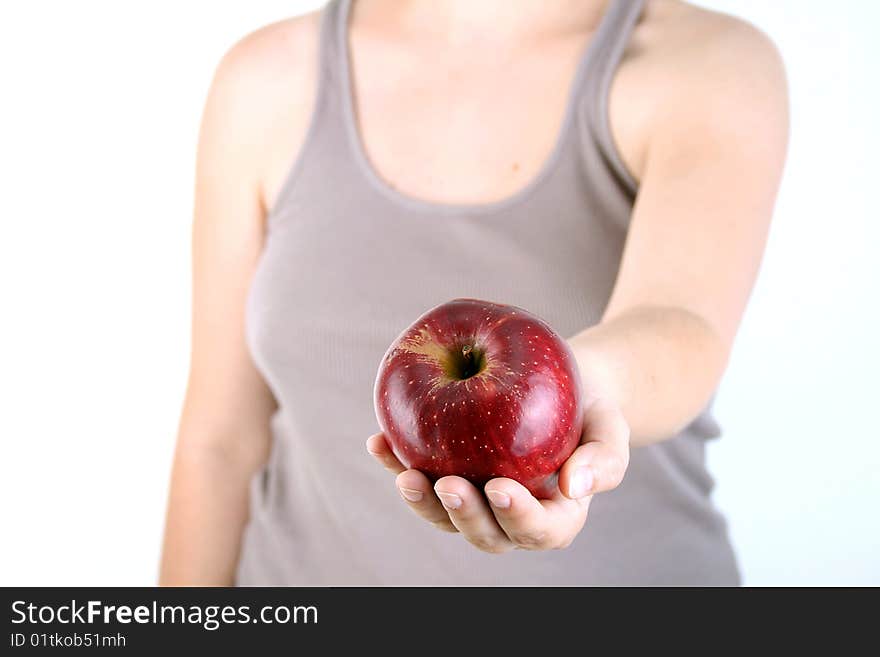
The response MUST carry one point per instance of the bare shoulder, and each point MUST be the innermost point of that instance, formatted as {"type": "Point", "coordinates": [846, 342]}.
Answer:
{"type": "Point", "coordinates": [692, 73]}
{"type": "Point", "coordinates": [687, 18]}
{"type": "Point", "coordinates": [262, 94]}
{"type": "Point", "coordinates": [283, 51]}
{"type": "Point", "coordinates": [706, 56]}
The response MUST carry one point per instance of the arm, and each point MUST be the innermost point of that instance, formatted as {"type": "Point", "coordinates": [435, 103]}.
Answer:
{"type": "Point", "coordinates": [709, 180]}
{"type": "Point", "coordinates": [224, 427]}
{"type": "Point", "coordinates": [709, 171]}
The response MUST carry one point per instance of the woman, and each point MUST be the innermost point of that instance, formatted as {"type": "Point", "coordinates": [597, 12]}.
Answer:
{"type": "Point", "coordinates": [610, 165]}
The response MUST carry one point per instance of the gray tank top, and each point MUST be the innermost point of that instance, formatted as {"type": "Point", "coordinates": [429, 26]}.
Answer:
{"type": "Point", "coordinates": [349, 262]}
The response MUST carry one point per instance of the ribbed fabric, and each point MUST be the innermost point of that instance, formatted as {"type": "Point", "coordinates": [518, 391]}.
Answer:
{"type": "Point", "coordinates": [349, 262]}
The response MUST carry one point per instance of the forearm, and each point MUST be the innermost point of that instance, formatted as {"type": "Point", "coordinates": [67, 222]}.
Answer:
{"type": "Point", "coordinates": [207, 512]}
{"type": "Point", "coordinates": [661, 365]}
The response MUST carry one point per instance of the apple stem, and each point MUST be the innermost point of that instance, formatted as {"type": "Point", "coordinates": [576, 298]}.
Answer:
{"type": "Point", "coordinates": [469, 364]}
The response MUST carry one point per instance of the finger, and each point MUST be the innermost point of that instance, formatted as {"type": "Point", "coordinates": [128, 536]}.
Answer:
{"type": "Point", "coordinates": [533, 524]}
{"type": "Point", "coordinates": [415, 489]}
{"type": "Point", "coordinates": [469, 512]}
{"type": "Point", "coordinates": [600, 463]}
{"type": "Point", "coordinates": [381, 451]}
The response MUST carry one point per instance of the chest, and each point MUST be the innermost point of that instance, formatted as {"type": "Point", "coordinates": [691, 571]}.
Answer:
{"type": "Point", "coordinates": [471, 126]}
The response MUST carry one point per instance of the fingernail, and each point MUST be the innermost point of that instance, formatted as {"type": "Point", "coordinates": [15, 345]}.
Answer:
{"type": "Point", "coordinates": [498, 499]}
{"type": "Point", "coordinates": [411, 494]}
{"type": "Point", "coordinates": [581, 482]}
{"type": "Point", "coordinates": [450, 500]}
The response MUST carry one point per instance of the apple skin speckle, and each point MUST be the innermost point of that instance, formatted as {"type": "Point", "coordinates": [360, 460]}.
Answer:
{"type": "Point", "coordinates": [524, 415]}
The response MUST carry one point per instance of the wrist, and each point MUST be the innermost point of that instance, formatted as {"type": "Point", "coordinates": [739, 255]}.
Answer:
{"type": "Point", "coordinates": [602, 376]}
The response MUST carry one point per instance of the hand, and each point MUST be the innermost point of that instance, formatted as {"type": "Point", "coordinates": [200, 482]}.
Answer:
{"type": "Point", "coordinates": [512, 517]}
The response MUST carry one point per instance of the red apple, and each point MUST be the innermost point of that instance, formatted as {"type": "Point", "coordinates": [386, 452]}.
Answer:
{"type": "Point", "coordinates": [481, 390]}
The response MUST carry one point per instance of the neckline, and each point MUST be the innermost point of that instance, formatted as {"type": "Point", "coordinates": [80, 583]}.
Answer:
{"type": "Point", "coordinates": [419, 205]}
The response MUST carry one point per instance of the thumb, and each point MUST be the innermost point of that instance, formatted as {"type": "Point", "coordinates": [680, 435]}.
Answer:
{"type": "Point", "coordinates": [600, 462]}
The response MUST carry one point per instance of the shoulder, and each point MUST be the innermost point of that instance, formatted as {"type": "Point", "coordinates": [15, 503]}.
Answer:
{"type": "Point", "coordinates": [261, 98]}
{"type": "Point", "coordinates": [277, 60]}
{"type": "Point", "coordinates": [276, 52]}
{"type": "Point", "coordinates": [267, 72]}
{"type": "Point", "coordinates": [704, 72]}
{"type": "Point", "coordinates": [710, 60]}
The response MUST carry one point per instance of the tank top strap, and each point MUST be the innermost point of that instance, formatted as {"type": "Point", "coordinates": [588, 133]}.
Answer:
{"type": "Point", "coordinates": [335, 81]}
{"type": "Point", "coordinates": [601, 63]}
{"type": "Point", "coordinates": [612, 35]}
{"type": "Point", "coordinates": [331, 48]}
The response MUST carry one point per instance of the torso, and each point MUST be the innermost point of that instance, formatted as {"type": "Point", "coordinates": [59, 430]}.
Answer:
{"type": "Point", "coordinates": [359, 243]}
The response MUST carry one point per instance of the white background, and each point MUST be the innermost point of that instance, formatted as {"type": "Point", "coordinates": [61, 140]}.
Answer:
{"type": "Point", "coordinates": [98, 120]}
